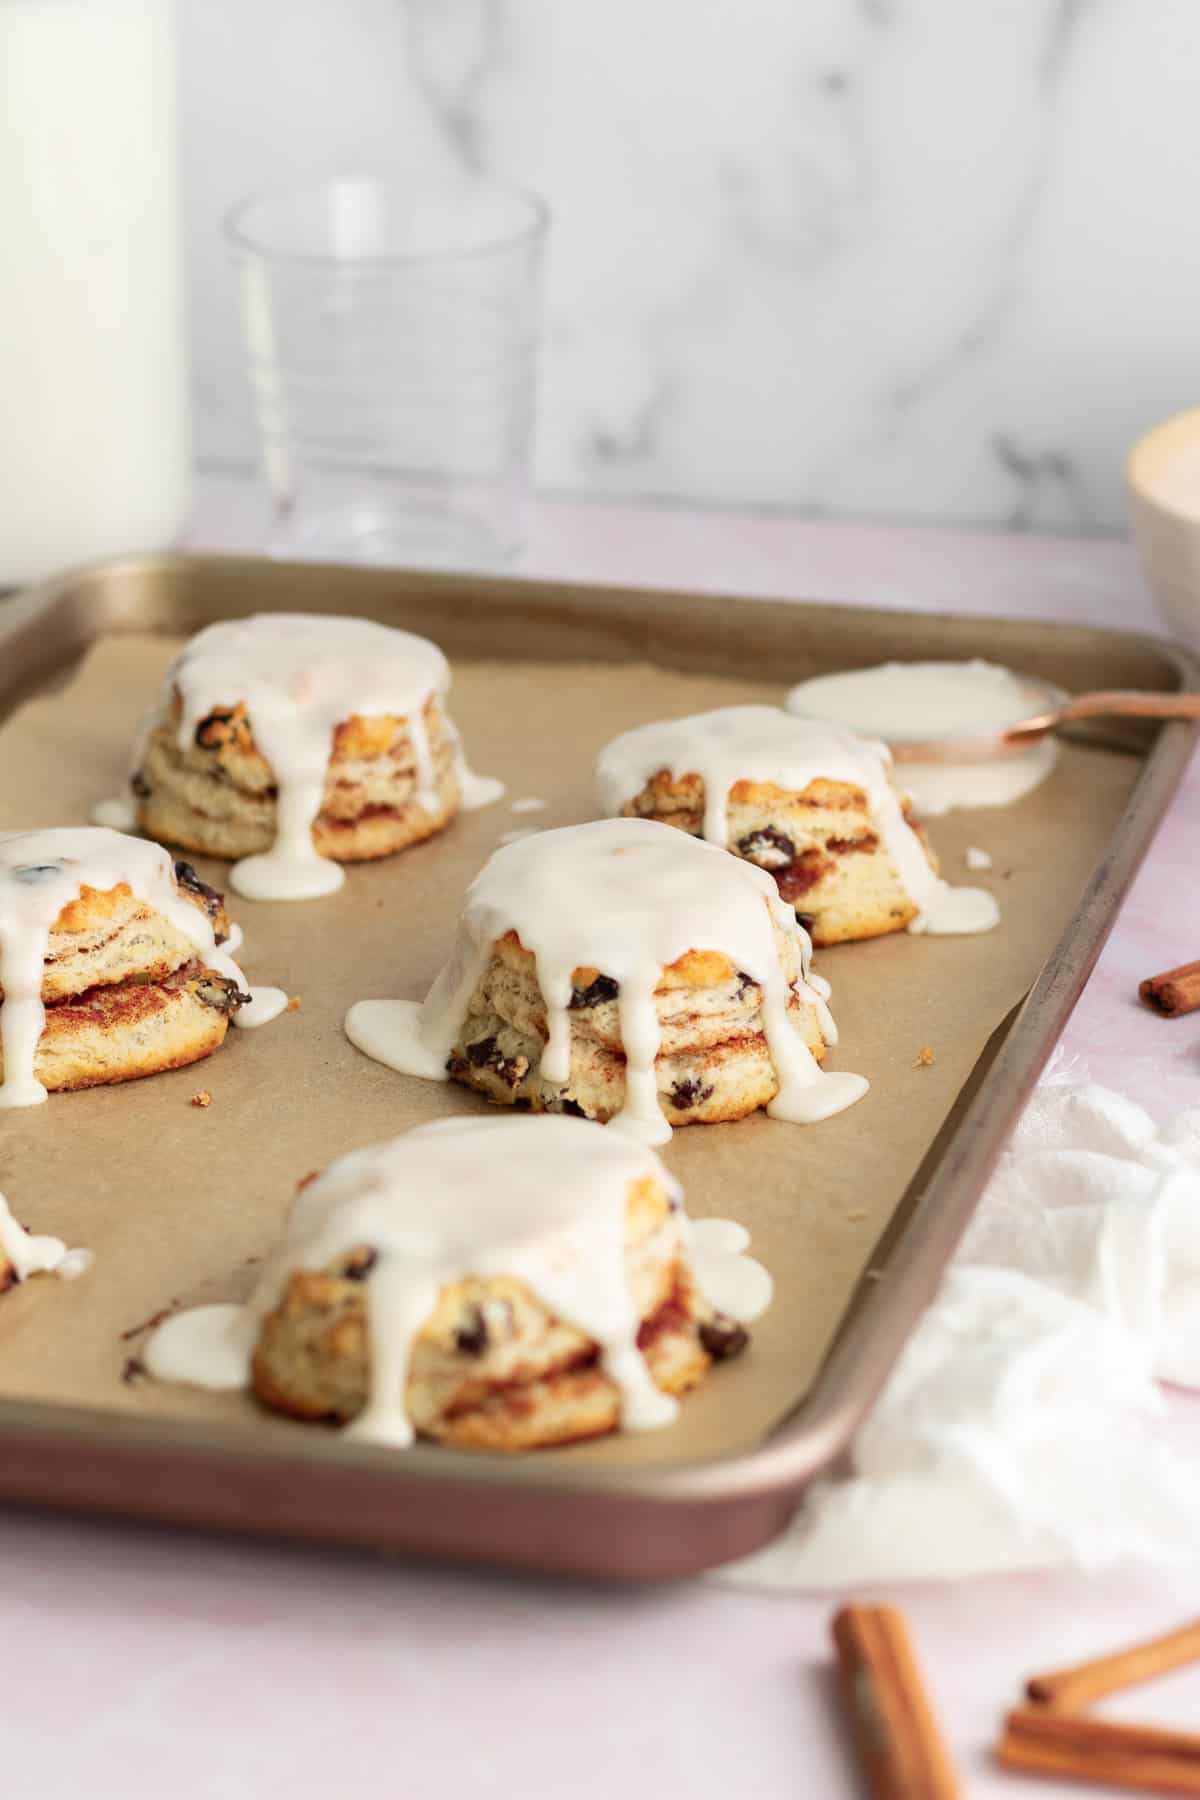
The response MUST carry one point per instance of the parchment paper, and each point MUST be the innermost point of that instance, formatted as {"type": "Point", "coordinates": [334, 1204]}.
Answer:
{"type": "Point", "coordinates": [176, 1200]}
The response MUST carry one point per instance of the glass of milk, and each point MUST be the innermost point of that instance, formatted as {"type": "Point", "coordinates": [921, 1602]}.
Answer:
{"type": "Point", "coordinates": [391, 329]}
{"type": "Point", "coordinates": [95, 433]}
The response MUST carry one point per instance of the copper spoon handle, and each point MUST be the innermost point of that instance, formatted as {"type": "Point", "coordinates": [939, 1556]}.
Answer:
{"type": "Point", "coordinates": [1114, 703]}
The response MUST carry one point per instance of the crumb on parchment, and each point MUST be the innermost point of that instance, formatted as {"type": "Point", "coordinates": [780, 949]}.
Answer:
{"type": "Point", "coordinates": [925, 1058]}
{"type": "Point", "coordinates": [203, 1098]}
{"type": "Point", "coordinates": [295, 1003]}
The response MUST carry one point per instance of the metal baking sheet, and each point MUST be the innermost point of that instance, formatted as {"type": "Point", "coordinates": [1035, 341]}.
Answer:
{"type": "Point", "coordinates": [71, 1436]}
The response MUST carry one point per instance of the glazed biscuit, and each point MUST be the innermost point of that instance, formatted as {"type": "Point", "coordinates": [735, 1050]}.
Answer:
{"type": "Point", "coordinates": [622, 971]}
{"type": "Point", "coordinates": [492, 1368]}
{"type": "Point", "coordinates": [822, 846]}
{"type": "Point", "coordinates": [294, 743]}
{"type": "Point", "coordinates": [217, 795]}
{"type": "Point", "coordinates": [713, 1064]}
{"type": "Point", "coordinates": [496, 1359]}
{"type": "Point", "coordinates": [810, 803]}
{"type": "Point", "coordinates": [110, 963]}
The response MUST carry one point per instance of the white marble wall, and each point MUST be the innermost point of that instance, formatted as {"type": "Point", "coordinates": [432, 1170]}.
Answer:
{"type": "Point", "coordinates": [924, 259]}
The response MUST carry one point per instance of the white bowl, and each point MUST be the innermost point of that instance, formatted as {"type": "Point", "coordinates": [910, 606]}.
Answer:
{"type": "Point", "coordinates": [1163, 476]}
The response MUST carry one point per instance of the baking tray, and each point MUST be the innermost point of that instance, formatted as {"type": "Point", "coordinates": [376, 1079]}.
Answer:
{"type": "Point", "coordinates": [616, 1519]}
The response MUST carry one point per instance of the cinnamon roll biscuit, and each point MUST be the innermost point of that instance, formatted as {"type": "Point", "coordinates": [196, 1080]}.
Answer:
{"type": "Point", "coordinates": [808, 802]}
{"type": "Point", "coordinates": [620, 970]}
{"type": "Point", "coordinates": [713, 1062]}
{"type": "Point", "coordinates": [292, 743]}
{"type": "Point", "coordinates": [414, 1295]}
{"type": "Point", "coordinates": [110, 962]}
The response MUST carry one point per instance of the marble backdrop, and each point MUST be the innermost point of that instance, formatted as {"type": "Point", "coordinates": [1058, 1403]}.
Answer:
{"type": "Point", "coordinates": [916, 259]}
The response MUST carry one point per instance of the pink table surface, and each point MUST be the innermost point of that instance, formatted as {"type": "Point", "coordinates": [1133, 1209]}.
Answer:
{"type": "Point", "coordinates": [138, 1663]}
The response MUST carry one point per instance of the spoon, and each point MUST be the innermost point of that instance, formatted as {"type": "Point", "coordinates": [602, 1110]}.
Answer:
{"type": "Point", "coordinates": [1054, 708]}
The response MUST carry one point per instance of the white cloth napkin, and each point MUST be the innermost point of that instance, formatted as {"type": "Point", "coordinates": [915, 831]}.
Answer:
{"type": "Point", "coordinates": [1018, 1428]}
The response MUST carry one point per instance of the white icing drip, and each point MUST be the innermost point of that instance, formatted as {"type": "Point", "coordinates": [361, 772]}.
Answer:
{"type": "Point", "coordinates": [234, 941]}
{"type": "Point", "coordinates": [31, 1255]}
{"type": "Point", "coordinates": [903, 702]}
{"type": "Point", "coordinates": [530, 804]}
{"type": "Point", "coordinates": [389, 1032]}
{"type": "Point", "coordinates": [266, 1003]}
{"type": "Point", "coordinates": [40, 873]}
{"type": "Point", "coordinates": [477, 790]}
{"type": "Point", "coordinates": [627, 897]}
{"type": "Point", "coordinates": [976, 859]}
{"type": "Point", "coordinates": [117, 814]}
{"type": "Point", "coordinates": [429, 1205]}
{"type": "Point", "coordinates": [766, 744]}
{"type": "Point", "coordinates": [300, 676]}
{"type": "Point", "coordinates": [730, 1281]}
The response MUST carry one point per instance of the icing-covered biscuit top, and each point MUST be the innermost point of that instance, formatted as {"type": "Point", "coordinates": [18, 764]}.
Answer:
{"type": "Point", "coordinates": [627, 897]}
{"type": "Point", "coordinates": [299, 676]}
{"type": "Point", "coordinates": [41, 873]}
{"type": "Point", "coordinates": [767, 744]}
{"type": "Point", "coordinates": [541, 1200]}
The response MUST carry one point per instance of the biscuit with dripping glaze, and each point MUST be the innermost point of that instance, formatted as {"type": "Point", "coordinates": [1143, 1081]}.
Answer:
{"type": "Point", "coordinates": [809, 802]}
{"type": "Point", "coordinates": [294, 743]}
{"type": "Point", "coordinates": [416, 1294]}
{"type": "Point", "coordinates": [111, 964]}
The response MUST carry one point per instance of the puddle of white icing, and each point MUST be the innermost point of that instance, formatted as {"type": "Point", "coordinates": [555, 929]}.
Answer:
{"type": "Point", "coordinates": [902, 701]}
{"type": "Point", "coordinates": [917, 700]}
{"type": "Point", "coordinates": [31, 1255]}
{"type": "Point", "coordinates": [975, 858]}
{"type": "Point", "coordinates": [627, 897]}
{"type": "Point", "coordinates": [389, 1031]}
{"type": "Point", "coordinates": [300, 676]}
{"type": "Point", "coordinates": [118, 814]}
{"type": "Point", "coordinates": [478, 790]}
{"type": "Point", "coordinates": [764, 743]}
{"type": "Point", "coordinates": [206, 1346]}
{"type": "Point", "coordinates": [430, 1205]}
{"type": "Point", "coordinates": [730, 1281]}
{"type": "Point", "coordinates": [274, 875]}
{"type": "Point", "coordinates": [266, 1003]}
{"type": "Point", "coordinates": [939, 788]}
{"type": "Point", "coordinates": [40, 873]}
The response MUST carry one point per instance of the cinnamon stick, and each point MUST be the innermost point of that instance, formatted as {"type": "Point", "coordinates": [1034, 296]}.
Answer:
{"type": "Point", "coordinates": [1040, 1740]}
{"type": "Point", "coordinates": [899, 1745]}
{"type": "Point", "coordinates": [1175, 992]}
{"type": "Point", "coordinates": [1070, 1689]}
